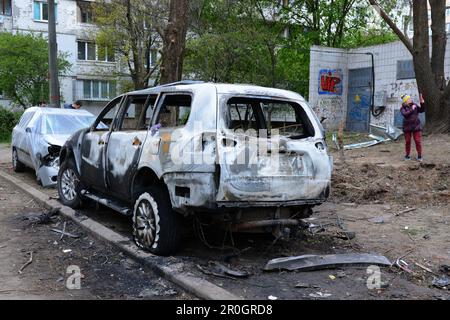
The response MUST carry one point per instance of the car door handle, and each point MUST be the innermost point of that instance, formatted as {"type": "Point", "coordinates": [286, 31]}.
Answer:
{"type": "Point", "coordinates": [136, 142]}
{"type": "Point", "coordinates": [101, 142]}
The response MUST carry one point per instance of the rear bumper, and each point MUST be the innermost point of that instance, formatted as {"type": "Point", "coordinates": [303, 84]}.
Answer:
{"type": "Point", "coordinates": [259, 204]}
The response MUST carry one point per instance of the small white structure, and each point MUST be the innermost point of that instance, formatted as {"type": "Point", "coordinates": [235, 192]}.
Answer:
{"type": "Point", "coordinates": [340, 86]}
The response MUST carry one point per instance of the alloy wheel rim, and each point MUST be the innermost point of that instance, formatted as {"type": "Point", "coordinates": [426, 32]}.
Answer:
{"type": "Point", "coordinates": [145, 224]}
{"type": "Point", "coordinates": [69, 182]}
{"type": "Point", "coordinates": [14, 158]}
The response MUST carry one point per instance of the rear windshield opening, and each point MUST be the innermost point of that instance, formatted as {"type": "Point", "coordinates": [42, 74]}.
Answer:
{"type": "Point", "coordinates": [289, 118]}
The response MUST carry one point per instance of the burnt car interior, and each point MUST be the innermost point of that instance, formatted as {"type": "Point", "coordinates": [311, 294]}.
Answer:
{"type": "Point", "coordinates": [289, 118]}
{"type": "Point", "coordinates": [137, 113]}
{"type": "Point", "coordinates": [175, 110]}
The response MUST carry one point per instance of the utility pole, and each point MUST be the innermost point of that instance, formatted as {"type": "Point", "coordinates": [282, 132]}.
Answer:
{"type": "Point", "coordinates": [52, 56]}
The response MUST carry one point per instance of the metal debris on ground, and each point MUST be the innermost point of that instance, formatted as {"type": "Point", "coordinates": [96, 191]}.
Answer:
{"type": "Point", "coordinates": [445, 268]}
{"type": "Point", "coordinates": [442, 282]}
{"type": "Point", "coordinates": [27, 263]}
{"type": "Point", "coordinates": [42, 218]}
{"type": "Point", "coordinates": [64, 233]}
{"type": "Point", "coordinates": [345, 235]}
{"type": "Point", "coordinates": [403, 265]}
{"type": "Point", "coordinates": [320, 295]}
{"type": "Point", "coordinates": [319, 262]}
{"type": "Point", "coordinates": [219, 270]}
{"type": "Point", "coordinates": [302, 285]}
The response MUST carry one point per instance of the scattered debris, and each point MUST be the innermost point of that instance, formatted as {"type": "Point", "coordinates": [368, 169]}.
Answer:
{"type": "Point", "coordinates": [319, 294]}
{"type": "Point", "coordinates": [302, 285]}
{"type": "Point", "coordinates": [27, 263]}
{"type": "Point", "coordinates": [402, 264]}
{"type": "Point", "coordinates": [404, 211]}
{"type": "Point", "coordinates": [219, 270]}
{"type": "Point", "coordinates": [318, 262]}
{"type": "Point", "coordinates": [442, 282]}
{"type": "Point", "coordinates": [42, 218]}
{"type": "Point", "coordinates": [345, 235]}
{"type": "Point", "coordinates": [424, 268]}
{"type": "Point", "coordinates": [445, 268]}
{"type": "Point", "coordinates": [272, 297]}
{"type": "Point", "coordinates": [332, 277]}
{"type": "Point", "coordinates": [380, 219]}
{"type": "Point", "coordinates": [147, 293]}
{"type": "Point", "coordinates": [64, 233]}
{"type": "Point", "coordinates": [67, 250]}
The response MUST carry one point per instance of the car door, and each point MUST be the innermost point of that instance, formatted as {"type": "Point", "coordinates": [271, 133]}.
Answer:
{"type": "Point", "coordinates": [93, 146]}
{"type": "Point", "coordinates": [21, 138]}
{"type": "Point", "coordinates": [125, 143]}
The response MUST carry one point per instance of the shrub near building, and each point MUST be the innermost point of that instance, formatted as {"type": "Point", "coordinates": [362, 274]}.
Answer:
{"type": "Point", "coordinates": [8, 120]}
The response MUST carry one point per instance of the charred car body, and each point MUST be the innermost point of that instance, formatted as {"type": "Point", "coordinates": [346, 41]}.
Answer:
{"type": "Point", "coordinates": [38, 137]}
{"type": "Point", "coordinates": [244, 155]}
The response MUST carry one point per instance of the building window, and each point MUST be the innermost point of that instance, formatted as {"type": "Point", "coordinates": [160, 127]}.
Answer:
{"type": "Point", "coordinates": [153, 57]}
{"type": "Point", "coordinates": [88, 50]}
{"type": "Point", "coordinates": [5, 7]}
{"type": "Point", "coordinates": [447, 11]}
{"type": "Point", "coordinates": [41, 11]}
{"type": "Point", "coordinates": [97, 89]}
{"type": "Point", "coordinates": [405, 70]}
{"type": "Point", "coordinates": [85, 10]}
{"type": "Point", "coordinates": [447, 27]}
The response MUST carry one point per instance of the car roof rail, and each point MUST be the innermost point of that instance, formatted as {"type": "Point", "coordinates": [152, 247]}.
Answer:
{"type": "Point", "coordinates": [182, 82]}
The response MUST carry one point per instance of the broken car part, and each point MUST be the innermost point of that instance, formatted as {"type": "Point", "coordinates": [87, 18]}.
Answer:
{"type": "Point", "coordinates": [319, 262]}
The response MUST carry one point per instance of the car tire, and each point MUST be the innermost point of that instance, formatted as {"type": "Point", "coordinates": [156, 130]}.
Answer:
{"type": "Point", "coordinates": [69, 184]}
{"type": "Point", "coordinates": [156, 227]}
{"type": "Point", "coordinates": [17, 165]}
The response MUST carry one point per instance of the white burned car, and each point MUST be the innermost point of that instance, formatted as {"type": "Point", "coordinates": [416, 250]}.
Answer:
{"type": "Point", "coordinates": [246, 156]}
{"type": "Point", "coordinates": [38, 137]}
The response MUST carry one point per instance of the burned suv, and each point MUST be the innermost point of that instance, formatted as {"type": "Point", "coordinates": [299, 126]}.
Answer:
{"type": "Point", "coordinates": [248, 157]}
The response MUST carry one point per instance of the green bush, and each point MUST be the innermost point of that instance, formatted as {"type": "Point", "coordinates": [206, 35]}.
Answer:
{"type": "Point", "coordinates": [8, 119]}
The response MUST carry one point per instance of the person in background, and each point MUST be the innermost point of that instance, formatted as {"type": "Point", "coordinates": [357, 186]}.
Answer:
{"type": "Point", "coordinates": [75, 105]}
{"type": "Point", "coordinates": [42, 104]}
{"type": "Point", "coordinates": [411, 125]}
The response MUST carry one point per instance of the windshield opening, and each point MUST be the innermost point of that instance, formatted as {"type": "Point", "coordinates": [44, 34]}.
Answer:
{"type": "Point", "coordinates": [65, 124]}
{"type": "Point", "coordinates": [288, 118]}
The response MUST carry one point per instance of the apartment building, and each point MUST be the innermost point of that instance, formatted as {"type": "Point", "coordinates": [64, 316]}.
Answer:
{"type": "Point", "coordinates": [93, 75]}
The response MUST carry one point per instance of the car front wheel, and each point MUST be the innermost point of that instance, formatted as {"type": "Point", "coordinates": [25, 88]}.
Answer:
{"type": "Point", "coordinates": [156, 227]}
{"type": "Point", "coordinates": [68, 184]}
{"type": "Point", "coordinates": [17, 165]}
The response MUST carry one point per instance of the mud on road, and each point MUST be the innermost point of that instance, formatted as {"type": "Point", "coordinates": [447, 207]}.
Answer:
{"type": "Point", "coordinates": [372, 216]}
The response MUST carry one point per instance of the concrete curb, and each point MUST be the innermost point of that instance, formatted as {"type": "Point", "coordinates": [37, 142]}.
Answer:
{"type": "Point", "coordinates": [172, 272]}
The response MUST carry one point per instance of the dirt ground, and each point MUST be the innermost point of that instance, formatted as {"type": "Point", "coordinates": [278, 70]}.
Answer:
{"type": "Point", "coordinates": [105, 272]}
{"type": "Point", "coordinates": [395, 208]}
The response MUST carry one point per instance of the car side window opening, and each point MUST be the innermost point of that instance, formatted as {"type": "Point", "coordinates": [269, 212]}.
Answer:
{"type": "Point", "coordinates": [108, 115]}
{"type": "Point", "coordinates": [25, 119]}
{"type": "Point", "coordinates": [175, 110]}
{"type": "Point", "coordinates": [137, 113]}
{"type": "Point", "coordinates": [289, 118]}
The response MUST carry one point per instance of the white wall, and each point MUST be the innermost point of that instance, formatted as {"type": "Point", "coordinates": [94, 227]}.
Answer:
{"type": "Point", "coordinates": [386, 83]}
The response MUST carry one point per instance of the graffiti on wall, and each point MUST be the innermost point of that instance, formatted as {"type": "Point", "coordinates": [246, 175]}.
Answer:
{"type": "Point", "coordinates": [331, 108]}
{"type": "Point", "coordinates": [330, 82]}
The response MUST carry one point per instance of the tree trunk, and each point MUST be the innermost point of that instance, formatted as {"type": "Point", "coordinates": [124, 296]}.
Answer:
{"type": "Point", "coordinates": [426, 69]}
{"type": "Point", "coordinates": [429, 71]}
{"type": "Point", "coordinates": [174, 39]}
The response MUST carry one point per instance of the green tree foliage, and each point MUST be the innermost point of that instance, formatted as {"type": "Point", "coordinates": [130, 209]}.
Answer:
{"type": "Point", "coordinates": [265, 43]}
{"type": "Point", "coordinates": [24, 67]}
{"type": "Point", "coordinates": [8, 120]}
{"type": "Point", "coordinates": [132, 28]}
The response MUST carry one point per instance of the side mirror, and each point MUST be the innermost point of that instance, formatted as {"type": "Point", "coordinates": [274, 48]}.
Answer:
{"type": "Point", "coordinates": [28, 130]}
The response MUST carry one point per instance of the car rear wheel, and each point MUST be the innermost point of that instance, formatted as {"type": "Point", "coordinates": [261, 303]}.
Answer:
{"type": "Point", "coordinates": [156, 227]}
{"type": "Point", "coordinates": [17, 165]}
{"type": "Point", "coordinates": [69, 184]}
